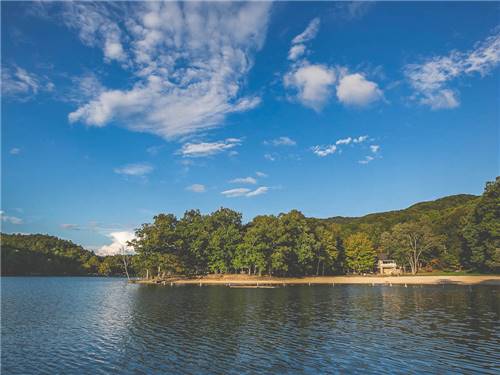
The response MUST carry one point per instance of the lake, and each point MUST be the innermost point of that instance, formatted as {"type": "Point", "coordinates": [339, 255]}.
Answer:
{"type": "Point", "coordinates": [86, 325]}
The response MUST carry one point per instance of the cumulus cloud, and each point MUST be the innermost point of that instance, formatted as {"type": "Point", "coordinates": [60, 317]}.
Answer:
{"type": "Point", "coordinates": [281, 141]}
{"type": "Point", "coordinates": [260, 174]}
{"type": "Point", "coordinates": [10, 219]}
{"type": "Point", "coordinates": [137, 169]}
{"type": "Point", "coordinates": [430, 79]}
{"type": "Point", "coordinates": [356, 90]}
{"type": "Point", "coordinates": [312, 84]}
{"type": "Point", "coordinates": [15, 151]}
{"type": "Point", "coordinates": [196, 188]}
{"type": "Point", "coordinates": [374, 148]}
{"type": "Point", "coordinates": [245, 192]}
{"type": "Point", "coordinates": [118, 244]}
{"type": "Point", "coordinates": [188, 63]}
{"type": "Point", "coordinates": [244, 180]}
{"type": "Point", "coordinates": [194, 150]}
{"type": "Point", "coordinates": [323, 151]}
{"type": "Point", "coordinates": [21, 85]}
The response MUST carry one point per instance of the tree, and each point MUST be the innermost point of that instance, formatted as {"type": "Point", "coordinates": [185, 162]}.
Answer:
{"type": "Point", "coordinates": [327, 237]}
{"type": "Point", "coordinates": [410, 242]}
{"type": "Point", "coordinates": [359, 252]}
{"type": "Point", "coordinates": [482, 231]}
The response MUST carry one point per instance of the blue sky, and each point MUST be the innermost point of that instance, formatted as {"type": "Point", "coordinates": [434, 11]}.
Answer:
{"type": "Point", "coordinates": [114, 112]}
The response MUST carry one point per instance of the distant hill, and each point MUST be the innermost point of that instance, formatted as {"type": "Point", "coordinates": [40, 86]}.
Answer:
{"type": "Point", "coordinates": [41, 254]}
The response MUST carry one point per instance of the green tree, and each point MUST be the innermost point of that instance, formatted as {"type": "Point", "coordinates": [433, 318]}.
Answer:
{"type": "Point", "coordinates": [482, 231]}
{"type": "Point", "coordinates": [359, 252]}
{"type": "Point", "coordinates": [410, 243]}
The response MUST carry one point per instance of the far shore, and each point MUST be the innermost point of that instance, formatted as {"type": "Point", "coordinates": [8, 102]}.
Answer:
{"type": "Point", "coordinates": [262, 281]}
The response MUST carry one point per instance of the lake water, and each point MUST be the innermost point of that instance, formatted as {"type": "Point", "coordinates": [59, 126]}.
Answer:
{"type": "Point", "coordinates": [103, 325]}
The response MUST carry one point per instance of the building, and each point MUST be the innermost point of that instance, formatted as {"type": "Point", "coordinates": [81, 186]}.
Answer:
{"type": "Point", "coordinates": [388, 267]}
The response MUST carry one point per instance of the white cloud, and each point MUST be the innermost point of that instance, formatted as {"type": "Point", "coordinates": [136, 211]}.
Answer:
{"type": "Point", "coordinates": [196, 188]}
{"type": "Point", "coordinates": [245, 192]}
{"type": "Point", "coordinates": [360, 139]}
{"type": "Point", "coordinates": [202, 149]}
{"type": "Point", "coordinates": [188, 62]}
{"type": "Point", "coordinates": [19, 84]}
{"type": "Point", "coordinates": [153, 150]}
{"type": "Point", "coordinates": [269, 157]}
{"type": "Point", "coordinates": [15, 151]}
{"type": "Point", "coordinates": [323, 151]}
{"type": "Point", "coordinates": [309, 33]}
{"type": "Point", "coordinates": [259, 191]}
{"type": "Point", "coordinates": [244, 180]}
{"type": "Point", "coordinates": [431, 78]}
{"type": "Point", "coordinates": [366, 160]}
{"type": "Point", "coordinates": [260, 174]}
{"type": "Point", "coordinates": [312, 84]}
{"type": "Point", "coordinates": [296, 51]}
{"type": "Point", "coordinates": [70, 226]}
{"type": "Point", "coordinates": [375, 148]}
{"type": "Point", "coordinates": [119, 242]}
{"type": "Point", "coordinates": [282, 141]}
{"type": "Point", "coordinates": [137, 169]}
{"type": "Point", "coordinates": [238, 192]}
{"type": "Point", "coordinates": [10, 219]}
{"type": "Point", "coordinates": [344, 141]}
{"type": "Point", "coordinates": [356, 90]}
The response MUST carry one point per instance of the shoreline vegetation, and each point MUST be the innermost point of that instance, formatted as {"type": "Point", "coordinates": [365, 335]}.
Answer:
{"type": "Point", "coordinates": [263, 281]}
{"type": "Point", "coordinates": [452, 234]}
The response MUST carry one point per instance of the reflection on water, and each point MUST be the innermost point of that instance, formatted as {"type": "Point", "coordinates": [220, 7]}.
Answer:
{"type": "Point", "coordinates": [98, 325]}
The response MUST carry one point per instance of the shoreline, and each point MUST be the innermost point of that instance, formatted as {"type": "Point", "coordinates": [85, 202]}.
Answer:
{"type": "Point", "coordinates": [262, 281]}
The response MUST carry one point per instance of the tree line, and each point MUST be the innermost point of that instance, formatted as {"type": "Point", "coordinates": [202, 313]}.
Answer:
{"type": "Point", "coordinates": [460, 232]}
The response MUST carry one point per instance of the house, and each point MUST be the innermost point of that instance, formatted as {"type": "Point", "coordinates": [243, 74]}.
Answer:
{"type": "Point", "coordinates": [388, 267]}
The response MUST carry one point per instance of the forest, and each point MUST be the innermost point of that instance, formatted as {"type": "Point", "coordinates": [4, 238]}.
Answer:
{"type": "Point", "coordinates": [459, 232]}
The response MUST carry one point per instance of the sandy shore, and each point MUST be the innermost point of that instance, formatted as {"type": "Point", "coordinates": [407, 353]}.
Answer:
{"type": "Point", "coordinates": [254, 281]}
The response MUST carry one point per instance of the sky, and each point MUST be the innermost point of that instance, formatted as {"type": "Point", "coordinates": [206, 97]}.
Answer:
{"type": "Point", "coordinates": [115, 112]}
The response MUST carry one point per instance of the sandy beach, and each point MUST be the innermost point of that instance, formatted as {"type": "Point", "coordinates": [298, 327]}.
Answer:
{"type": "Point", "coordinates": [255, 281]}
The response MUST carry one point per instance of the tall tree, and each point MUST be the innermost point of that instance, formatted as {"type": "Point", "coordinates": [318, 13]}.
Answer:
{"type": "Point", "coordinates": [409, 243]}
{"type": "Point", "coordinates": [482, 231]}
{"type": "Point", "coordinates": [359, 252]}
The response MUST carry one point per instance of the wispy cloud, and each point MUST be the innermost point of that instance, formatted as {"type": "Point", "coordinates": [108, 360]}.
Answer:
{"type": "Point", "coordinates": [281, 141]}
{"type": "Point", "coordinates": [188, 62]}
{"type": "Point", "coordinates": [366, 160]}
{"type": "Point", "coordinates": [260, 174]}
{"type": "Point", "coordinates": [244, 180]}
{"type": "Point", "coordinates": [375, 148]}
{"type": "Point", "coordinates": [245, 192]}
{"type": "Point", "coordinates": [70, 226]}
{"type": "Point", "coordinates": [15, 151]}
{"type": "Point", "coordinates": [21, 85]}
{"type": "Point", "coordinates": [323, 151]}
{"type": "Point", "coordinates": [298, 47]}
{"type": "Point", "coordinates": [430, 79]}
{"type": "Point", "coordinates": [137, 169]}
{"type": "Point", "coordinates": [196, 188]}
{"type": "Point", "coordinates": [10, 219]}
{"type": "Point", "coordinates": [202, 149]}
